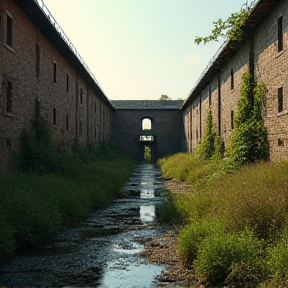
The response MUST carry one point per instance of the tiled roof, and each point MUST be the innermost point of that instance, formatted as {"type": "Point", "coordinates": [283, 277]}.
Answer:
{"type": "Point", "coordinates": [147, 104]}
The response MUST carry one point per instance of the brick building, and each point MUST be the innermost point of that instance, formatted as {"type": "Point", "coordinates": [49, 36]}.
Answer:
{"type": "Point", "coordinates": [41, 69]}
{"type": "Point", "coordinates": [163, 135]}
{"type": "Point", "coordinates": [219, 85]}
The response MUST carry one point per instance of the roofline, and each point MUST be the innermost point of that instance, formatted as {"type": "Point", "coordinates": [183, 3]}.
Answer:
{"type": "Point", "coordinates": [41, 17]}
{"type": "Point", "coordinates": [228, 49]}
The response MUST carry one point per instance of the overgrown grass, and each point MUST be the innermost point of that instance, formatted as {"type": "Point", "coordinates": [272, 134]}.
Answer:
{"type": "Point", "coordinates": [54, 188]}
{"type": "Point", "coordinates": [35, 206]}
{"type": "Point", "coordinates": [235, 225]}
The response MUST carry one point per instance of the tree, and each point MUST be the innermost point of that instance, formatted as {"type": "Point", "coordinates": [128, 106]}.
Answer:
{"type": "Point", "coordinates": [164, 97]}
{"type": "Point", "coordinates": [231, 28]}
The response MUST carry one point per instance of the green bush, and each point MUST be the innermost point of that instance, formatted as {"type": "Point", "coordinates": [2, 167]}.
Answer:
{"type": "Point", "coordinates": [277, 258]}
{"type": "Point", "coordinates": [191, 236]}
{"type": "Point", "coordinates": [167, 211]}
{"type": "Point", "coordinates": [220, 252]}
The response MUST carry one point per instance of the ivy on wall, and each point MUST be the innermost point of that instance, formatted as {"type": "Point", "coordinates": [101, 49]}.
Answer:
{"type": "Point", "coordinates": [211, 143]}
{"type": "Point", "coordinates": [231, 28]}
{"type": "Point", "coordinates": [249, 141]}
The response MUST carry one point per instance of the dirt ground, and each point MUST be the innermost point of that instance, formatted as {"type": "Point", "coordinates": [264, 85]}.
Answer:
{"type": "Point", "coordinates": [163, 250]}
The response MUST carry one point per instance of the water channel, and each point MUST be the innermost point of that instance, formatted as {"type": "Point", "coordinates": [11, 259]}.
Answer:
{"type": "Point", "coordinates": [103, 251]}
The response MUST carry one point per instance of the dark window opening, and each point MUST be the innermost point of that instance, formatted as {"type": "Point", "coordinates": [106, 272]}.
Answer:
{"type": "Point", "coordinates": [54, 116]}
{"type": "Point", "coordinates": [200, 118]}
{"type": "Point", "coordinates": [232, 119]}
{"type": "Point", "coordinates": [219, 106]}
{"type": "Point", "coordinates": [280, 34]}
{"type": "Point", "coordinates": [280, 99]}
{"type": "Point", "coordinates": [37, 60]}
{"type": "Point", "coordinates": [67, 122]}
{"type": "Point", "coordinates": [81, 96]}
{"type": "Point", "coordinates": [9, 31]}
{"type": "Point", "coordinates": [232, 79]}
{"type": "Point", "coordinates": [8, 143]}
{"type": "Point", "coordinates": [54, 73]}
{"type": "Point", "coordinates": [80, 128]}
{"type": "Point", "coordinates": [210, 95]}
{"type": "Point", "coordinates": [280, 142]}
{"type": "Point", "coordinates": [9, 108]}
{"type": "Point", "coordinates": [67, 83]}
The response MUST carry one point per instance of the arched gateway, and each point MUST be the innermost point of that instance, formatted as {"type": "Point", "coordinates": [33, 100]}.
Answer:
{"type": "Point", "coordinates": [148, 129]}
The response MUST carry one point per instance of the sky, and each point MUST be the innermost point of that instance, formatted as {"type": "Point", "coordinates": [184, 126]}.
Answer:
{"type": "Point", "coordinates": [142, 49]}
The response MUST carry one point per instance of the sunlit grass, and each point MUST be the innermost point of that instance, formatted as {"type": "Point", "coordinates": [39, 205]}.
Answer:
{"type": "Point", "coordinates": [252, 199]}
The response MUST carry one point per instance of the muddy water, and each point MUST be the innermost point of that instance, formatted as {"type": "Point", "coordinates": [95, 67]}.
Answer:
{"type": "Point", "coordinates": [104, 250]}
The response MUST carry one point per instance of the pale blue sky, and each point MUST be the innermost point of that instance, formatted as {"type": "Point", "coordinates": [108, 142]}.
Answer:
{"type": "Point", "coordinates": [141, 49]}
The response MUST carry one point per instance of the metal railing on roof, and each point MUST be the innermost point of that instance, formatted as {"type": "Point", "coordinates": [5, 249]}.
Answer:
{"type": "Point", "coordinates": [66, 39]}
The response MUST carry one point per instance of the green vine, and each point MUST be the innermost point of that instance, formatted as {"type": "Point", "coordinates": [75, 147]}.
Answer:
{"type": "Point", "coordinates": [249, 141]}
{"type": "Point", "coordinates": [211, 143]}
{"type": "Point", "coordinates": [231, 28]}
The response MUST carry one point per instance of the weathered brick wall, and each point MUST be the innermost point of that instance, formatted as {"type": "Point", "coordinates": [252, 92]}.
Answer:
{"type": "Point", "coordinates": [167, 129]}
{"type": "Point", "coordinates": [60, 106]}
{"type": "Point", "coordinates": [228, 97]}
{"type": "Point", "coordinates": [270, 67]}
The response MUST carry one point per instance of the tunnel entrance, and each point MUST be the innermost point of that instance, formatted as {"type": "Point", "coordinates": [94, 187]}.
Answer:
{"type": "Point", "coordinates": [147, 148]}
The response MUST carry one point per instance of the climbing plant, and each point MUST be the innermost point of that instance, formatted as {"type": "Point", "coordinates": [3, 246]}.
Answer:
{"type": "Point", "coordinates": [249, 141]}
{"type": "Point", "coordinates": [231, 28]}
{"type": "Point", "coordinates": [210, 146]}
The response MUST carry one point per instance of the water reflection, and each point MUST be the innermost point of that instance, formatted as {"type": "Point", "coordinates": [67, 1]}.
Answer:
{"type": "Point", "coordinates": [147, 213]}
{"type": "Point", "coordinates": [147, 193]}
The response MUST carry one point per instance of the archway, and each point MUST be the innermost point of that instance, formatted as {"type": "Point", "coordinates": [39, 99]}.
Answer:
{"type": "Point", "coordinates": [147, 143]}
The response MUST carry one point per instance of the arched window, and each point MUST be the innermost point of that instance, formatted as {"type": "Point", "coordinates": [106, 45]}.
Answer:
{"type": "Point", "coordinates": [146, 124]}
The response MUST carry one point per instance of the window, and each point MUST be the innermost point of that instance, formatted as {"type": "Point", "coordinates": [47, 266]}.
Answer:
{"type": "Point", "coordinates": [54, 72]}
{"type": "Point", "coordinates": [210, 95]}
{"type": "Point", "coordinates": [9, 97]}
{"type": "Point", "coordinates": [280, 34]}
{"type": "Point", "coordinates": [219, 106]}
{"type": "Point", "coordinates": [67, 122]}
{"type": "Point", "coordinates": [37, 60]}
{"type": "Point", "coordinates": [67, 82]}
{"type": "Point", "coordinates": [54, 116]}
{"type": "Point", "coordinates": [232, 79]}
{"type": "Point", "coordinates": [280, 99]}
{"type": "Point", "coordinates": [81, 96]}
{"type": "Point", "coordinates": [232, 119]}
{"type": "Point", "coordinates": [80, 128]}
{"type": "Point", "coordinates": [146, 124]}
{"type": "Point", "coordinates": [9, 31]}
{"type": "Point", "coordinates": [147, 138]}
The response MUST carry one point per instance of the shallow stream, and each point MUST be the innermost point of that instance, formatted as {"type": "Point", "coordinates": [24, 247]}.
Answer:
{"type": "Point", "coordinates": [103, 251]}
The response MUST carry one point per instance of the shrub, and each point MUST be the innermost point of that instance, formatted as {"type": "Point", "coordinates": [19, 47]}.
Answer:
{"type": "Point", "coordinates": [277, 259]}
{"type": "Point", "coordinates": [191, 237]}
{"type": "Point", "coordinates": [167, 211]}
{"type": "Point", "coordinates": [220, 252]}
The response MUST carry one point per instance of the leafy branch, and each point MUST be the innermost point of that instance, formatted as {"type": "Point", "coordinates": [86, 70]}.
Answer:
{"type": "Point", "coordinates": [231, 28]}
